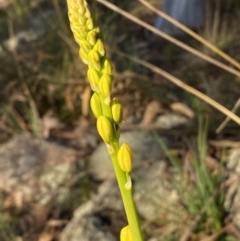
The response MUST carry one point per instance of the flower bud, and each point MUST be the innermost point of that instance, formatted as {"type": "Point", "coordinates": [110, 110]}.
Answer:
{"type": "Point", "coordinates": [96, 105]}
{"type": "Point", "coordinates": [105, 85]}
{"type": "Point", "coordinates": [82, 31]}
{"type": "Point", "coordinates": [89, 24]}
{"type": "Point", "coordinates": [107, 67]}
{"type": "Point", "coordinates": [86, 46]}
{"type": "Point", "coordinates": [79, 2]}
{"type": "Point", "coordinates": [125, 234]}
{"type": "Point", "coordinates": [93, 78]}
{"type": "Point", "coordinates": [94, 59]}
{"type": "Point", "coordinates": [83, 56]}
{"type": "Point", "coordinates": [105, 129]}
{"type": "Point", "coordinates": [85, 4]}
{"type": "Point", "coordinates": [87, 13]}
{"type": "Point", "coordinates": [116, 111]}
{"type": "Point", "coordinates": [82, 20]}
{"type": "Point", "coordinates": [81, 9]}
{"type": "Point", "coordinates": [99, 47]}
{"type": "Point", "coordinates": [78, 38]}
{"type": "Point", "coordinates": [91, 37]}
{"type": "Point", "coordinates": [74, 26]}
{"type": "Point", "coordinates": [125, 157]}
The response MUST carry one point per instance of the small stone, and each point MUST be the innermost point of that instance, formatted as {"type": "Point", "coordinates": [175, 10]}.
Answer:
{"type": "Point", "coordinates": [171, 120]}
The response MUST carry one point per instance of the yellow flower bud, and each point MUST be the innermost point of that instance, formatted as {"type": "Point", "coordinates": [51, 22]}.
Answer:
{"type": "Point", "coordinates": [83, 56]}
{"type": "Point", "coordinates": [125, 157]}
{"type": "Point", "coordinates": [89, 24]}
{"type": "Point", "coordinates": [93, 78]}
{"type": "Point", "coordinates": [82, 20]}
{"type": "Point", "coordinates": [105, 85]}
{"type": "Point", "coordinates": [86, 46]}
{"type": "Point", "coordinates": [91, 37]}
{"type": "Point", "coordinates": [74, 26]}
{"type": "Point", "coordinates": [105, 129]}
{"type": "Point", "coordinates": [125, 234]}
{"type": "Point", "coordinates": [94, 59]}
{"type": "Point", "coordinates": [99, 47]}
{"type": "Point", "coordinates": [77, 37]}
{"type": "Point", "coordinates": [87, 13]}
{"type": "Point", "coordinates": [82, 31]}
{"type": "Point", "coordinates": [116, 111]}
{"type": "Point", "coordinates": [95, 103]}
{"type": "Point", "coordinates": [79, 2]}
{"type": "Point", "coordinates": [107, 67]}
{"type": "Point", "coordinates": [81, 9]}
{"type": "Point", "coordinates": [85, 3]}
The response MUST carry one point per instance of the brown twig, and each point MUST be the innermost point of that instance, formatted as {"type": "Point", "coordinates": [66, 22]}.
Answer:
{"type": "Point", "coordinates": [186, 87]}
{"type": "Point", "coordinates": [191, 33]}
{"type": "Point", "coordinates": [168, 37]}
{"type": "Point", "coordinates": [227, 119]}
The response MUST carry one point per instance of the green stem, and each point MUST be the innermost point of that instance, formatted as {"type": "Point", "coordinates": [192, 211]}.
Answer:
{"type": "Point", "coordinates": [127, 197]}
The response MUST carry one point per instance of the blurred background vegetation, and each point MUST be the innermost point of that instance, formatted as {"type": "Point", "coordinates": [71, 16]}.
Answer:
{"type": "Point", "coordinates": [43, 85]}
{"type": "Point", "coordinates": [43, 82]}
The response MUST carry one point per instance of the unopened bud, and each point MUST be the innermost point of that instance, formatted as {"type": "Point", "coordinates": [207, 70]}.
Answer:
{"type": "Point", "coordinates": [83, 56]}
{"type": "Point", "coordinates": [82, 20]}
{"type": "Point", "coordinates": [105, 129]}
{"type": "Point", "coordinates": [93, 78]}
{"type": "Point", "coordinates": [82, 31]}
{"type": "Point", "coordinates": [99, 47]}
{"type": "Point", "coordinates": [107, 67]}
{"type": "Point", "coordinates": [79, 2]}
{"type": "Point", "coordinates": [81, 9]}
{"type": "Point", "coordinates": [125, 157]}
{"type": "Point", "coordinates": [91, 37]}
{"type": "Point", "coordinates": [87, 13]}
{"type": "Point", "coordinates": [116, 111]}
{"type": "Point", "coordinates": [86, 46]}
{"type": "Point", "coordinates": [96, 105]}
{"type": "Point", "coordinates": [105, 85]}
{"type": "Point", "coordinates": [89, 24]}
{"type": "Point", "coordinates": [125, 234]}
{"type": "Point", "coordinates": [94, 59]}
{"type": "Point", "coordinates": [78, 37]}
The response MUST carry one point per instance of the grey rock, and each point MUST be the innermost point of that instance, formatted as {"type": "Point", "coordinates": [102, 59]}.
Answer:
{"type": "Point", "coordinates": [171, 120]}
{"type": "Point", "coordinates": [85, 227]}
{"type": "Point", "coordinates": [232, 200]}
{"type": "Point", "coordinates": [87, 224]}
{"type": "Point", "coordinates": [234, 161]}
{"type": "Point", "coordinates": [144, 144]}
{"type": "Point", "coordinates": [34, 171]}
{"type": "Point", "coordinates": [154, 190]}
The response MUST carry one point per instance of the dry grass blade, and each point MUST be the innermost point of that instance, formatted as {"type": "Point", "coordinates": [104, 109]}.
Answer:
{"type": "Point", "coordinates": [168, 37]}
{"type": "Point", "coordinates": [224, 123]}
{"type": "Point", "coordinates": [216, 235]}
{"type": "Point", "coordinates": [191, 33]}
{"type": "Point", "coordinates": [193, 225]}
{"type": "Point", "coordinates": [186, 87]}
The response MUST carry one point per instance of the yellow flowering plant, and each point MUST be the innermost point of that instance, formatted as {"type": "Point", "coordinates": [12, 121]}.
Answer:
{"type": "Point", "coordinates": [107, 111]}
